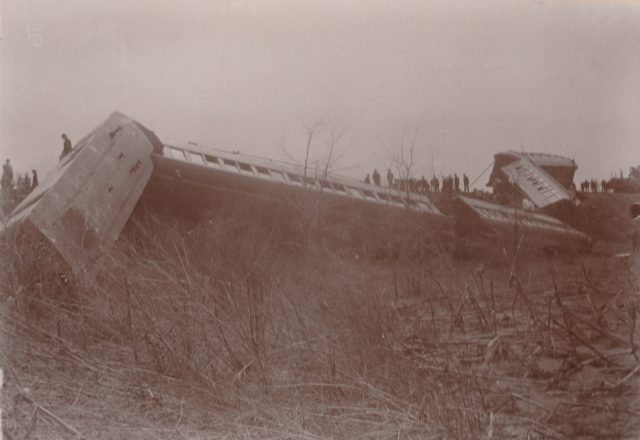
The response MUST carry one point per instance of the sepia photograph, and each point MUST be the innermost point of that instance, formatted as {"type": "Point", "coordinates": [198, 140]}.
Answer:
{"type": "Point", "coordinates": [319, 220]}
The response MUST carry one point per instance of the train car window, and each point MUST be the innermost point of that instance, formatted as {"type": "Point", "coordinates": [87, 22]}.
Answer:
{"type": "Point", "coordinates": [212, 160]}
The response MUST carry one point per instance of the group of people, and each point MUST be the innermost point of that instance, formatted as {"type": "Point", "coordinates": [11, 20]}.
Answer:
{"type": "Point", "coordinates": [22, 183]}
{"type": "Point", "coordinates": [16, 188]}
{"type": "Point", "coordinates": [450, 184]}
{"type": "Point", "coordinates": [26, 182]}
{"type": "Point", "coordinates": [617, 183]}
{"type": "Point", "coordinates": [592, 186]}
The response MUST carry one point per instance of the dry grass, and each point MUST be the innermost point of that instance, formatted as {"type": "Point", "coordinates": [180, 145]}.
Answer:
{"type": "Point", "coordinates": [294, 325]}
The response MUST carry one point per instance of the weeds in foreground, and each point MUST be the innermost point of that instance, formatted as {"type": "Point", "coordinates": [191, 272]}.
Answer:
{"type": "Point", "coordinates": [288, 327]}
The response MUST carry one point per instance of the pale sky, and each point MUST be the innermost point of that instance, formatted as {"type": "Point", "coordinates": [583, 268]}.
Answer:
{"type": "Point", "coordinates": [473, 77]}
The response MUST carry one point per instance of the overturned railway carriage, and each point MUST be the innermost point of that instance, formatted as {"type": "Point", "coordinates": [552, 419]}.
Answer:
{"type": "Point", "coordinates": [560, 168]}
{"type": "Point", "coordinates": [192, 166]}
{"type": "Point", "coordinates": [544, 179]}
{"type": "Point", "coordinates": [508, 227]}
{"type": "Point", "coordinates": [81, 207]}
{"type": "Point", "coordinates": [83, 204]}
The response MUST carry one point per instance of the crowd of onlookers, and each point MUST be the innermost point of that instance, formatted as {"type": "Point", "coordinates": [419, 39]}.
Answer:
{"type": "Point", "coordinates": [614, 184]}
{"type": "Point", "coordinates": [593, 186]}
{"type": "Point", "coordinates": [16, 188]}
{"type": "Point", "coordinates": [446, 184]}
{"type": "Point", "coordinates": [454, 184]}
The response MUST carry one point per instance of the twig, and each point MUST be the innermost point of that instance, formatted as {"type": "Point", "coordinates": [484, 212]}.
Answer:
{"type": "Point", "coordinates": [54, 417]}
{"type": "Point", "coordinates": [594, 327]}
{"type": "Point", "coordinates": [458, 316]}
{"type": "Point", "coordinates": [481, 317]}
{"type": "Point", "coordinates": [6, 434]}
{"type": "Point", "coordinates": [180, 417]}
{"type": "Point", "coordinates": [591, 360]}
{"type": "Point", "coordinates": [564, 313]}
{"type": "Point", "coordinates": [531, 402]}
{"type": "Point", "coordinates": [586, 344]}
{"type": "Point", "coordinates": [627, 377]}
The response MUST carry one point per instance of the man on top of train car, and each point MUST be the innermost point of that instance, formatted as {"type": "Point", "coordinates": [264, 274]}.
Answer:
{"type": "Point", "coordinates": [389, 177]}
{"type": "Point", "coordinates": [66, 147]}
{"type": "Point", "coordinates": [376, 177]}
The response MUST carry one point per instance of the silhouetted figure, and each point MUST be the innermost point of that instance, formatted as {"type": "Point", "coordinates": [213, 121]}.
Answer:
{"type": "Point", "coordinates": [7, 175]}
{"type": "Point", "coordinates": [447, 184]}
{"type": "Point", "coordinates": [367, 180]}
{"type": "Point", "coordinates": [66, 147]}
{"type": "Point", "coordinates": [34, 179]}
{"type": "Point", "coordinates": [389, 177]}
{"type": "Point", "coordinates": [376, 177]}
{"type": "Point", "coordinates": [594, 186]}
{"type": "Point", "coordinates": [424, 185]}
{"type": "Point", "coordinates": [456, 182]}
{"type": "Point", "coordinates": [465, 181]}
{"type": "Point", "coordinates": [435, 184]}
{"type": "Point", "coordinates": [604, 186]}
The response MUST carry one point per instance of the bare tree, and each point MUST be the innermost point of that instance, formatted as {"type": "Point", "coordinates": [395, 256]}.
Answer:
{"type": "Point", "coordinates": [324, 163]}
{"type": "Point", "coordinates": [311, 131]}
{"type": "Point", "coordinates": [403, 156]}
{"type": "Point", "coordinates": [333, 154]}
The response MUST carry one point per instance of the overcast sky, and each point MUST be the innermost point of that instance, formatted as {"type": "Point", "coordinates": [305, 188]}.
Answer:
{"type": "Point", "coordinates": [472, 77]}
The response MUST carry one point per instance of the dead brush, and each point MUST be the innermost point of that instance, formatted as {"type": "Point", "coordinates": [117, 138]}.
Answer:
{"type": "Point", "coordinates": [31, 271]}
{"type": "Point", "coordinates": [287, 335]}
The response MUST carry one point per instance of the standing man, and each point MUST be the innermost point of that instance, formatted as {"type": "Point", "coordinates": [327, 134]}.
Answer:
{"type": "Point", "coordinates": [34, 179]}
{"type": "Point", "coordinates": [456, 182]}
{"type": "Point", "coordinates": [435, 184]}
{"type": "Point", "coordinates": [66, 147]}
{"type": "Point", "coordinates": [389, 177]}
{"type": "Point", "coordinates": [465, 181]}
{"type": "Point", "coordinates": [7, 176]}
{"type": "Point", "coordinates": [376, 177]}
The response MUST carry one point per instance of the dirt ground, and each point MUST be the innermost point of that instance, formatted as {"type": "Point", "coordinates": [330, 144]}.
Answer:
{"type": "Point", "coordinates": [556, 358]}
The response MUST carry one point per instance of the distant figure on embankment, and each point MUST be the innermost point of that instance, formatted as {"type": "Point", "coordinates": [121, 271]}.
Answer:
{"type": "Point", "coordinates": [7, 176]}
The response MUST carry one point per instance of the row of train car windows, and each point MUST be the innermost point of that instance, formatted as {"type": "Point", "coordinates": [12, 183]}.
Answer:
{"type": "Point", "coordinates": [245, 167]}
{"type": "Point", "coordinates": [525, 220]}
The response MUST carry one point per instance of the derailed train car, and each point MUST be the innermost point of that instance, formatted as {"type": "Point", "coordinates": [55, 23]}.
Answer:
{"type": "Point", "coordinates": [506, 226]}
{"type": "Point", "coordinates": [81, 207]}
{"type": "Point", "coordinates": [544, 179]}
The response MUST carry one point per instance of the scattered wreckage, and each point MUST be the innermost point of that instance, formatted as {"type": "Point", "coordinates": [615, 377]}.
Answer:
{"type": "Point", "coordinates": [82, 206]}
